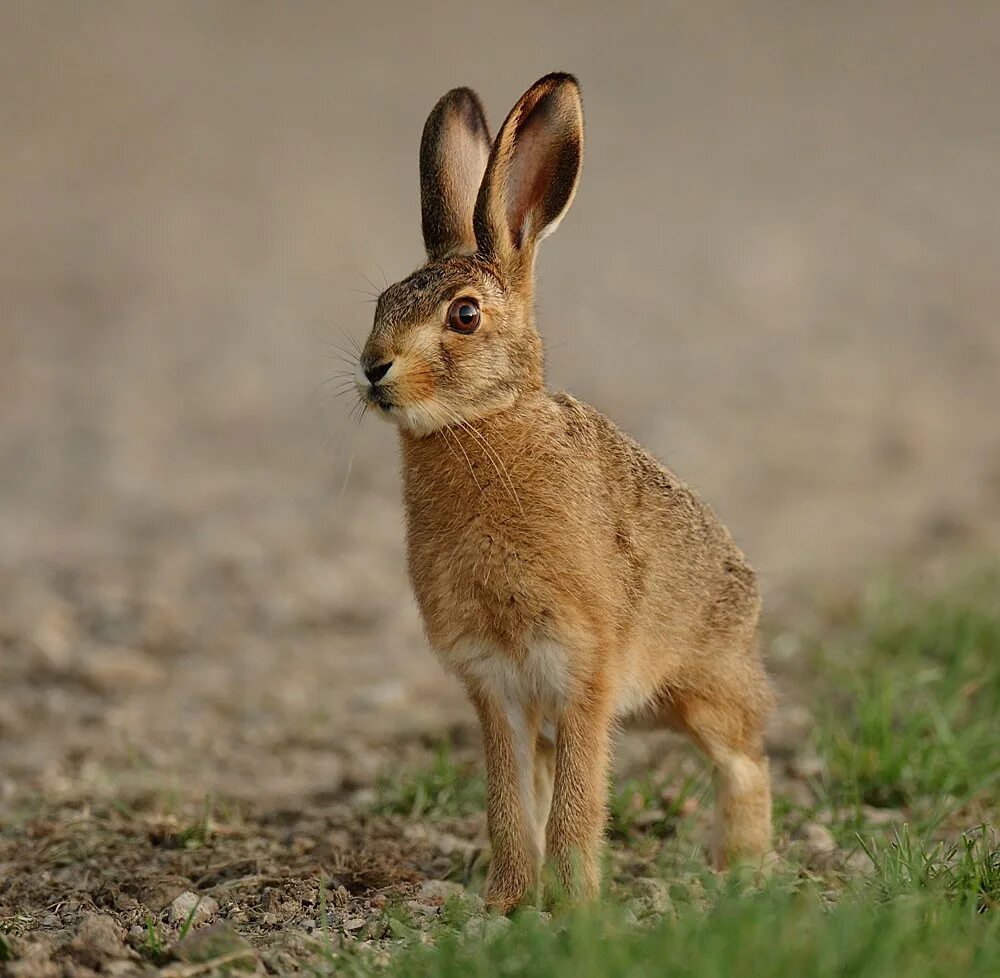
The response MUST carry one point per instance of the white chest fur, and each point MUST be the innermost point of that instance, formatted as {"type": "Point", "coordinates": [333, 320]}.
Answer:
{"type": "Point", "coordinates": [538, 674]}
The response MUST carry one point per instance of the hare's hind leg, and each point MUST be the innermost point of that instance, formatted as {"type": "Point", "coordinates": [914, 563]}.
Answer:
{"type": "Point", "coordinates": [725, 718]}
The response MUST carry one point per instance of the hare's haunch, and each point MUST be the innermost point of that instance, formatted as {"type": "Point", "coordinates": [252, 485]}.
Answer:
{"type": "Point", "coordinates": [564, 575]}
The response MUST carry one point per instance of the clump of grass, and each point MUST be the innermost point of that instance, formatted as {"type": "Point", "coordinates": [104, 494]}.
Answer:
{"type": "Point", "coordinates": [153, 948]}
{"type": "Point", "coordinates": [919, 693]}
{"type": "Point", "coordinates": [444, 789]}
{"type": "Point", "coordinates": [651, 805]}
{"type": "Point", "coordinates": [966, 870]}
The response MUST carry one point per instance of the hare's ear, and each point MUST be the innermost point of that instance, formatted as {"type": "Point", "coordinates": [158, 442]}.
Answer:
{"type": "Point", "coordinates": [453, 153]}
{"type": "Point", "coordinates": [533, 169]}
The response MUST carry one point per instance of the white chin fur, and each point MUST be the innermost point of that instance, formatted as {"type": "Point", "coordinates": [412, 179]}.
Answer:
{"type": "Point", "coordinates": [416, 420]}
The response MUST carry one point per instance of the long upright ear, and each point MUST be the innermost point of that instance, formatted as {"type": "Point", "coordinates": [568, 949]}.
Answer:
{"type": "Point", "coordinates": [533, 170]}
{"type": "Point", "coordinates": [454, 150]}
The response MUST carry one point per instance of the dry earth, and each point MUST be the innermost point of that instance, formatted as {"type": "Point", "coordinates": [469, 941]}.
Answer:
{"type": "Point", "coordinates": [780, 274]}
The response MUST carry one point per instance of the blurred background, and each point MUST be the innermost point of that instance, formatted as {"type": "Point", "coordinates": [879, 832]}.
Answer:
{"type": "Point", "coordinates": [780, 274]}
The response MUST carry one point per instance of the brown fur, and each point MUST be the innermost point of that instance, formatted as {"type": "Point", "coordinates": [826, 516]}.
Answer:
{"type": "Point", "coordinates": [566, 577]}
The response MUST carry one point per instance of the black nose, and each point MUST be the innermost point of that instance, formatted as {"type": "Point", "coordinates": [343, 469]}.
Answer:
{"type": "Point", "coordinates": [375, 372]}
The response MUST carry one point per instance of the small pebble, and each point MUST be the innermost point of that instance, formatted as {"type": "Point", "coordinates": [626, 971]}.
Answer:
{"type": "Point", "coordinates": [439, 890]}
{"type": "Point", "coordinates": [653, 894]}
{"type": "Point", "coordinates": [818, 844]}
{"type": "Point", "coordinates": [204, 908]}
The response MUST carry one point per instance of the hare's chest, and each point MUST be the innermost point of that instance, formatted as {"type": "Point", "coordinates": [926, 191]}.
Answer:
{"type": "Point", "coordinates": [474, 577]}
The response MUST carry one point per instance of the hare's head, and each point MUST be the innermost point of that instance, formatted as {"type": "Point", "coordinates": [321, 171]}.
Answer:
{"type": "Point", "coordinates": [456, 340]}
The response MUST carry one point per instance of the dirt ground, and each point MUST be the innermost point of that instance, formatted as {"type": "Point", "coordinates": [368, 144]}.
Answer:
{"type": "Point", "coordinates": [780, 274]}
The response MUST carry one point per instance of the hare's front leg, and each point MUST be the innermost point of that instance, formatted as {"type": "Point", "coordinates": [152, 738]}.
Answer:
{"type": "Point", "coordinates": [509, 734]}
{"type": "Point", "coordinates": [579, 799]}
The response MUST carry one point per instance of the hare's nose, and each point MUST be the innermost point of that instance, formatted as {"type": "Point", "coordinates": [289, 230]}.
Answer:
{"type": "Point", "coordinates": [376, 371]}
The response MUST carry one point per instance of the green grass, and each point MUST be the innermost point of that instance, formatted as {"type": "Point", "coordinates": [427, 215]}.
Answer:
{"type": "Point", "coordinates": [772, 933]}
{"type": "Point", "coordinates": [153, 947]}
{"type": "Point", "coordinates": [966, 870]}
{"type": "Point", "coordinates": [444, 789]}
{"type": "Point", "coordinates": [652, 804]}
{"type": "Point", "coordinates": [926, 910]}
{"type": "Point", "coordinates": [921, 914]}
{"type": "Point", "coordinates": [913, 701]}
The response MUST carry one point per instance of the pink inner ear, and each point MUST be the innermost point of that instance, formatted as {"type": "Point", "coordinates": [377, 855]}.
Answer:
{"type": "Point", "coordinates": [535, 150]}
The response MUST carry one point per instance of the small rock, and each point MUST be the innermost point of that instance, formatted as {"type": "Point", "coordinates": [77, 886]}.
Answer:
{"type": "Point", "coordinates": [881, 816]}
{"type": "Point", "coordinates": [806, 765]}
{"type": "Point", "coordinates": [99, 939]}
{"type": "Point", "coordinates": [113, 668]}
{"type": "Point", "coordinates": [423, 909]}
{"type": "Point", "coordinates": [121, 967]}
{"type": "Point", "coordinates": [448, 844]}
{"type": "Point", "coordinates": [445, 842]}
{"type": "Point", "coordinates": [390, 692]}
{"type": "Point", "coordinates": [818, 844]}
{"type": "Point", "coordinates": [859, 862]}
{"type": "Point", "coordinates": [308, 924]}
{"type": "Point", "coordinates": [649, 816]}
{"type": "Point", "coordinates": [219, 940]}
{"type": "Point", "coordinates": [159, 893]}
{"type": "Point", "coordinates": [364, 798]}
{"type": "Point", "coordinates": [53, 638]}
{"type": "Point", "coordinates": [799, 794]}
{"type": "Point", "coordinates": [199, 908]}
{"type": "Point", "coordinates": [354, 923]}
{"type": "Point", "coordinates": [653, 894]}
{"type": "Point", "coordinates": [486, 928]}
{"type": "Point", "coordinates": [438, 891]}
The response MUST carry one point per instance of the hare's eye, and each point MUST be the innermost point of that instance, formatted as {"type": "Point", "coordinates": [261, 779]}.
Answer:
{"type": "Point", "coordinates": [463, 315]}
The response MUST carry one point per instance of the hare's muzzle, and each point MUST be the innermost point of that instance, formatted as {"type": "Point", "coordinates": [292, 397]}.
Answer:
{"type": "Point", "coordinates": [371, 380]}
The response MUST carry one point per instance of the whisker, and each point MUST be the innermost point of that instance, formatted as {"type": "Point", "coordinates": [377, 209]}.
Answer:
{"type": "Point", "coordinates": [498, 462]}
{"type": "Point", "coordinates": [349, 356]}
{"type": "Point", "coordinates": [369, 281]}
{"type": "Point", "coordinates": [468, 461]}
{"type": "Point", "coordinates": [491, 454]}
{"type": "Point", "coordinates": [352, 341]}
{"type": "Point", "coordinates": [445, 435]}
{"type": "Point", "coordinates": [350, 457]}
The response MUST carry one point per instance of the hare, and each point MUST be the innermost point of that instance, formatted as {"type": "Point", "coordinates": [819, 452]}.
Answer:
{"type": "Point", "coordinates": [563, 575]}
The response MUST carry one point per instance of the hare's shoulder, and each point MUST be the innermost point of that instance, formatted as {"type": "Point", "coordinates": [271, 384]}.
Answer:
{"type": "Point", "coordinates": [655, 505]}
{"type": "Point", "coordinates": [625, 462]}
{"type": "Point", "coordinates": [638, 486]}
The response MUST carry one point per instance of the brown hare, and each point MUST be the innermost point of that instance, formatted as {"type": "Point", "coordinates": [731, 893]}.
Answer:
{"type": "Point", "coordinates": [564, 576]}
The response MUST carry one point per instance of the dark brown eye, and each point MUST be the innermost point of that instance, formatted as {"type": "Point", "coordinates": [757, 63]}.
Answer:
{"type": "Point", "coordinates": [463, 315]}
